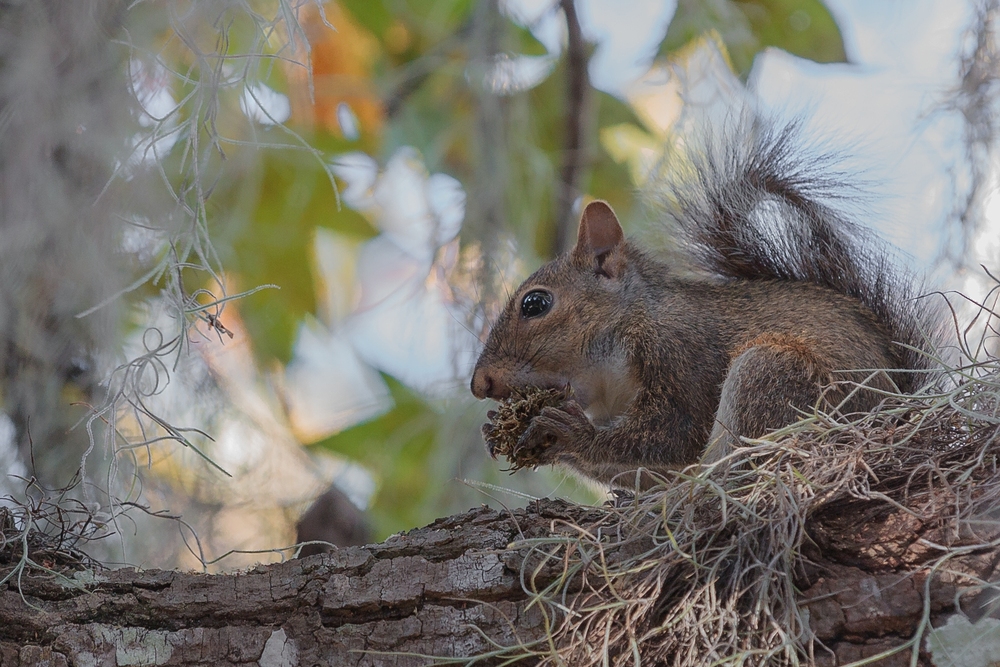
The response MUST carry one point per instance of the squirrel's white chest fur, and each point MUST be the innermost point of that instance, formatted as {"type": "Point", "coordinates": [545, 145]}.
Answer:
{"type": "Point", "coordinates": [607, 390]}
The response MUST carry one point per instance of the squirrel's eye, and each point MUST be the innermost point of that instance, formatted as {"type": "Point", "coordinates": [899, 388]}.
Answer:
{"type": "Point", "coordinates": [535, 303]}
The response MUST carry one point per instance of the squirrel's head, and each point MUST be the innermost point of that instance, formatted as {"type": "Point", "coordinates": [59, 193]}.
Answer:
{"type": "Point", "coordinates": [546, 335]}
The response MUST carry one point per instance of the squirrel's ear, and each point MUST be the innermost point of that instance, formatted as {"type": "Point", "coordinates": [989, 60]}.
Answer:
{"type": "Point", "coordinates": [600, 233]}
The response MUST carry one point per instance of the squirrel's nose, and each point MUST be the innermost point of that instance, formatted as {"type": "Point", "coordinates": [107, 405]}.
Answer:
{"type": "Point", "coordinates": [486, 385]}
{"type": "Point", "coordinates": [482, 384]}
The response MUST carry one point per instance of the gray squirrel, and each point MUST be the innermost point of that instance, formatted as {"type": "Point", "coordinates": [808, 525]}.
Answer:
{"type": "Point", "coordinates": [771, 298]}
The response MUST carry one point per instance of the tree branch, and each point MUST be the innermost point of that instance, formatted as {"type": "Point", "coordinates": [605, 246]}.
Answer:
{"type": "Point", "coordinates": [574, 157]}
{"type": "Point", "coordinates": [452, 589]}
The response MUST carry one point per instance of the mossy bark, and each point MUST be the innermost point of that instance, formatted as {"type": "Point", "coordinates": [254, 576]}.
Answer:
{"type": "Point", "coordinates": [450, 589]}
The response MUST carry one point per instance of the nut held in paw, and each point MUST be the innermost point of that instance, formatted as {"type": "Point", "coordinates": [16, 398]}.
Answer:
{"type": "Point", "coordinates": [511, 419]}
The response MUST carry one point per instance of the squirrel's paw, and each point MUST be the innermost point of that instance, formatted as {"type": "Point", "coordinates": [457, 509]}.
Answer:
{"type": "Point", "coordinates": [490, 433]}
{"type": "Point", "coordinates": [555, 434]}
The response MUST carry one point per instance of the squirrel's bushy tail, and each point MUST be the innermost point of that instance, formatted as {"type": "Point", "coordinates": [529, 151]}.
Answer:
{"type": "Point", "coordinates": [750, 202]}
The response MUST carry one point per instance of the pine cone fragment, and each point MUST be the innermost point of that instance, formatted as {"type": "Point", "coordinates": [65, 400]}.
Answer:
{"type": "Point", "coordinates": [511, 419]}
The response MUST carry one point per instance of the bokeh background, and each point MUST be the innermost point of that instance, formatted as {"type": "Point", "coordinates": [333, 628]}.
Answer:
{"type": "Point", "coordinates": [249, 248]}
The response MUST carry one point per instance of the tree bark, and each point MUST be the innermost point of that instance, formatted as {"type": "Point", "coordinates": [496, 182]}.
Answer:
{"type": "Point", "coordinates": [576, 116]}
{"type": "Point", "coordinates": [867, 592]}
{"type": "Point", "coordinates": [450, 589]}
{"type": "Point", "coordinates": [420, 593]}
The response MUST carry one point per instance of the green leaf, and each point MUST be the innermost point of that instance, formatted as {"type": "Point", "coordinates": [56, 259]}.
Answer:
{"type": "Point", "coordinates": [425, 23]}
{"type": "Point", "coordinates": [397, 447]}
{"type": "Point", "coordinates": [525, 41]}
{"type": "Point", "coordinates": [372, 14]}
{"type": "Point", "coordinates": [609, 179]}
{"type": "Point", "coordinates": [802, 27]}
{"type": "Point", "coordinates": [278, 206]}
{"type": "Point", "coordinates": [448, 15]}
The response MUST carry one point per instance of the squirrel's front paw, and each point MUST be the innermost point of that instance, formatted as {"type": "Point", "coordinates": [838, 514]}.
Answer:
{"type": "Point", "coordinates": [555, 435]}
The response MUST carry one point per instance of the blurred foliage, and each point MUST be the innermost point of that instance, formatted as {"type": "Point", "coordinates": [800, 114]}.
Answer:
{"type": "Point", "coordinates": [802, 27]}
{"type": "Point", "coordinates": [407, 70]}
{"type": "Point", "coordinates": [277, 208]}
{"type": "Point", "coordinates": [398, 447]}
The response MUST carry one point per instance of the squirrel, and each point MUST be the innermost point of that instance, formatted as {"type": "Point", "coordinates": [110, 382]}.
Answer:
{"type": "Point", "coordinates": [773, 298]}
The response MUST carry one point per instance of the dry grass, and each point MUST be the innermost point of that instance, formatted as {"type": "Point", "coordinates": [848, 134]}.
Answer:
{"type": "Point", "coordinates": [702, 569]}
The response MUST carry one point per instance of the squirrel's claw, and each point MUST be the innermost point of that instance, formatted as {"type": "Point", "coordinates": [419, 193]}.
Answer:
{"type": "Point", "coordinates": [489, 431]}
{"type": "Point", "coordinates": [556, 433]}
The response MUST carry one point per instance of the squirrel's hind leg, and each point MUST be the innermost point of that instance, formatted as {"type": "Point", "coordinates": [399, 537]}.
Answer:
{"type": "Point", "coordinates": [767, 380]}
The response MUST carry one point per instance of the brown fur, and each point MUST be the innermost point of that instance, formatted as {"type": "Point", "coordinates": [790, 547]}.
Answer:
{"type": "Point", "coordinates": [790, 344]}
{"type": "Point", "coordinates": [663, 367]}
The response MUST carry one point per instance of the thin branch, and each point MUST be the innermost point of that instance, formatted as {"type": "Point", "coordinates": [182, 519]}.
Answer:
{"type": "Point", "coordinates": [575, 142]}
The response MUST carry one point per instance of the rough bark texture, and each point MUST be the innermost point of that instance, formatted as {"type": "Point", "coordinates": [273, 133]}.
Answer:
{"type": "Point", "coordinates": [425, 593]}
{"type": "Point", "coordinates": [867, 593]}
